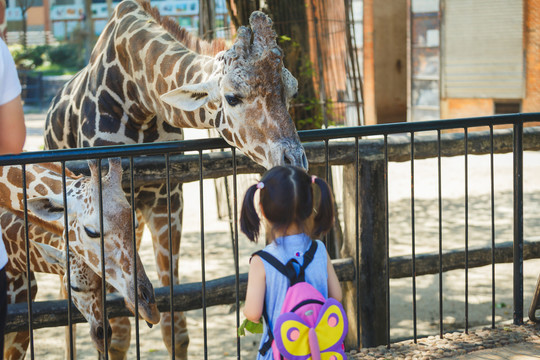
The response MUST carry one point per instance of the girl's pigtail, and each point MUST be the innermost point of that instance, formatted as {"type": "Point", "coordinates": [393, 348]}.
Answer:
{"type": "Point", "coordinates": [249, 220]}
{"type": "Point", "coordinates": [325, 213]}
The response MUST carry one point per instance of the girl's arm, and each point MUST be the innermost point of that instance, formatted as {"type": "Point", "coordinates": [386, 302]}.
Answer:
{"type": "Point", "coordinates": [334, 288]}
{"type": "Point", "coordinates": [256, 290]}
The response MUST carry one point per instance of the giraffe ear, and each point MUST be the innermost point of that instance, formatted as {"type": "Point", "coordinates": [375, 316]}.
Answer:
{"type": "Point", "coordinates": [51, 254]}
{"type": "Point", "coordinates": [48, 208]}
{"type": "Point", "coordinates": [192, 96]}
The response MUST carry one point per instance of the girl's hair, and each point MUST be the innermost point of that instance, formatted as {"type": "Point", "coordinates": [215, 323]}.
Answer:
{"type": "Point", "coordinates": [286, 196]}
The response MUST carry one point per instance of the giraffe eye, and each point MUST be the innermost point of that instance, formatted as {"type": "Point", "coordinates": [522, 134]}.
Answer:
{"type": "Point", "coordinates": [91, 233]}
{"type": "Point", "coordinates": [233, 100]}
{"type": "Point", "coordinates": [76, 288]}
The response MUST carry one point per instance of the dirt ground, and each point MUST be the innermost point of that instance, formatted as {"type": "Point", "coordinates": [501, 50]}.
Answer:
{"type": "Point", "coordinates": [221, 320]}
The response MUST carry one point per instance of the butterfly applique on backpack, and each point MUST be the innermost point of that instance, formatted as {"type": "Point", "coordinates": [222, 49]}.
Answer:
{"type": "Point", "coordinates": [309, 326]}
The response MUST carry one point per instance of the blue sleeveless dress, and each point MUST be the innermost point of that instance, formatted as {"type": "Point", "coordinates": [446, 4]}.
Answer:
{"type": "Point", "coordinates": [284, 249]}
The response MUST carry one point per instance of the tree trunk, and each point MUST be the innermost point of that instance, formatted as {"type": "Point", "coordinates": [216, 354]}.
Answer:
{"type": "Point", "coordinates": [240, 10]}
{"type": "Point", "coordinates": [207, 19]}
{"type": "Point", "coordinates": [25, 27]}
{"type": "Point", "coordinates": [291, 24]}
{"type": "Point", "coordinates": [89, 30]}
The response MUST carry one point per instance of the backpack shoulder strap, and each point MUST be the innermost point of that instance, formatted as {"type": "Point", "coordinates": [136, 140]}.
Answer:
{"type": "Point", "coordinates": [310, 254]}
{"type": "Point", "coordinates": [288, 272]}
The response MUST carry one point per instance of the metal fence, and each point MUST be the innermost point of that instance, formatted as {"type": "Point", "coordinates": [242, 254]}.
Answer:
{"type": "Point", "coordinates": [363, 155]}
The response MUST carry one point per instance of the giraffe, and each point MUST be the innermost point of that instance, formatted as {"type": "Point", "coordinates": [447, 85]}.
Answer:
{"type": "Point", "coordinates": [147, 78]}
{"type": "Point", "coordinates": [47, 255]}
{"type": "Point", "coordinates": [44, 188]}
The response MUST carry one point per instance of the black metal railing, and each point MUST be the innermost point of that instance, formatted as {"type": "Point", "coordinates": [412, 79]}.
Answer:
{"type": "Point", "coordinates": [364, 153]}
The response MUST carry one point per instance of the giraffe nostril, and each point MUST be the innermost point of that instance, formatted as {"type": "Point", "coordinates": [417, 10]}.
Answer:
{"type": "Point", "coordinates": [99, 333]}
{"type": "Point", "coordinates": [287, 159]}
{"type": "Point", "coordinates": [145, 294]}
{"type": "Point", "coordinates": [305, 163]}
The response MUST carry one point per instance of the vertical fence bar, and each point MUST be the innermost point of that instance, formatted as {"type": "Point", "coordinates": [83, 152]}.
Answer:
{"type": "Point", "coordinates": [203, 264]}
{"type": "Point", "coordinates": [134, 226]}
{"type": "Point", "coordinates": [387, 240]}
{"type": "Point", "coordinates": [439, 189]}
{"type": "Point", "coordinates": [103, 269]}
{"type": "Point", "coordinates": [28, 278]}
{"type": "Point", "coordinates": [491, 165]}
{"type": "Point", "coordinates": [357, 240]}
{"type": "Point", "coordinates": [171, 272]}
{"type": "Point", "coordinates": [236, 254]}
{"type": "Point", "coordinates": [413, 275]}
{"type": "Point", "coordinates": [332, 245]}
{"type": "Point", "coordinates": [326, 156]}
{"type": "Point", "coordinates": [466, 136]}
{"type": "Point", "coordinates": [68, 267]}
{"type": "Point", "coordinates": [518, 223]}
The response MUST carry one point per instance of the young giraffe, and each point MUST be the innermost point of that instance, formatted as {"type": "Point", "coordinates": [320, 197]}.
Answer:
{"type": "Point", "coordinates": [47, 255]}
{"type": "Point", "coordinates": [44, 188]}
{"type": "Point", "coordinates": [147, 78]}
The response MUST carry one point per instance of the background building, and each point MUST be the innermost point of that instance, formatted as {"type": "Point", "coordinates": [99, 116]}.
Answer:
{"type": "Point", "coordinates": [437, 59]}
{"type": "Point", "coordinates": [61, 17]}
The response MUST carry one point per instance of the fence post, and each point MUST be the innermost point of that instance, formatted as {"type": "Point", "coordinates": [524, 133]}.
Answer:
{"type": "Point", "coordinates": [365, 298]}
{"type": "Point", "coordinates": [518, 223]}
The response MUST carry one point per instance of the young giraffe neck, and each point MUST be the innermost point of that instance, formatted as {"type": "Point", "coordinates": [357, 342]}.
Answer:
{"type": "Point", "coordinates": [14, 239]}
{"type": "Point", "coordinates": [42, 179]}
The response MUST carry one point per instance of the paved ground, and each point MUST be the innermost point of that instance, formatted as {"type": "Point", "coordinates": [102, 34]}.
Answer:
{"type": "Point", "coordinates": [523, 351]}
{"type": "Point", "coordinates": [514, 352]}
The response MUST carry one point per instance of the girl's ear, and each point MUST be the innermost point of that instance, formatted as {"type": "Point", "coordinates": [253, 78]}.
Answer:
{"type": "Point", "coordinates": [262, 211]}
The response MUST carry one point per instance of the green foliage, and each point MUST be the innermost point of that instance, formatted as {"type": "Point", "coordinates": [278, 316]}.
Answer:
{"type": "Point", "coordinates": [30, 57]}
{"type": "Point", "coordinates": [66, 58]}
{"type": "Point", "coordinates": [314, 107]}
{"type": "Point", "coordinates": [254, 328]}
{"type": "Point", "coordinates": [68, 55]}
{"type": "Point", "coordinates": [307, 112]}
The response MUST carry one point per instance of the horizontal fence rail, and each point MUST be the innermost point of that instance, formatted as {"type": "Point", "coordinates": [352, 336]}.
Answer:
{"type": "Point", "coordinates": [184, 168]}
{"type": "Point", "coordinates": [366, 267]}
{"type": "Point", "coordinates": [221, 291]}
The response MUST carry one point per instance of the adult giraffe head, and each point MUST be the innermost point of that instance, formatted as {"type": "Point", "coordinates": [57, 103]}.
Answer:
{"type": "Point", "coordinates": [253, 89]}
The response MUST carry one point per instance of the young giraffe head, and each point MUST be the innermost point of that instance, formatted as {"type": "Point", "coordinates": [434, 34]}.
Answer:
{"type": "Point", "coordinates": [253, 89]}
{"type": "Point", "coordinates": [46, 254]}
{"type": "Point", "coordinates": [84, 230]}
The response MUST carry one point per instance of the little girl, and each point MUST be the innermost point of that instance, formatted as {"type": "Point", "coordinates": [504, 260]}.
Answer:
{"type": "Point", "coordinates": [286, 202]}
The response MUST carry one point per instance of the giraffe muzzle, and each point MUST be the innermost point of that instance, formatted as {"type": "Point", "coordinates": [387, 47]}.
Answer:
{"type": "Point", "coordinates": [295, 158]}
{"type": "Point", "coordinates": [97, 334]}
{"type": "Point", "coordinates": [147, 303]}
{"type": "Point", "coordinates": [291, 153]}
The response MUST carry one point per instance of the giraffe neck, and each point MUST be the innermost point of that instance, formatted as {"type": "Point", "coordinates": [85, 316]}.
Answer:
{"type": "Point", "coordinates": [42, 179]}
{"type": "Point", "coordinates": [13, 234]}
{"type": "Point", "coordinates": [143, 61]}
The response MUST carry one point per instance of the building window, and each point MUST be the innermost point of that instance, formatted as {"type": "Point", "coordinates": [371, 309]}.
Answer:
{"type": "Point", "coordinates": [507, 107]}
{"type": "Point", "coordinates": [64, 2]}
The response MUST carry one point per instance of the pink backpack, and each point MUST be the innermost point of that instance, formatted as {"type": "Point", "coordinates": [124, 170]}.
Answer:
{"type": "Point", "coordinates": [310, 326]}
